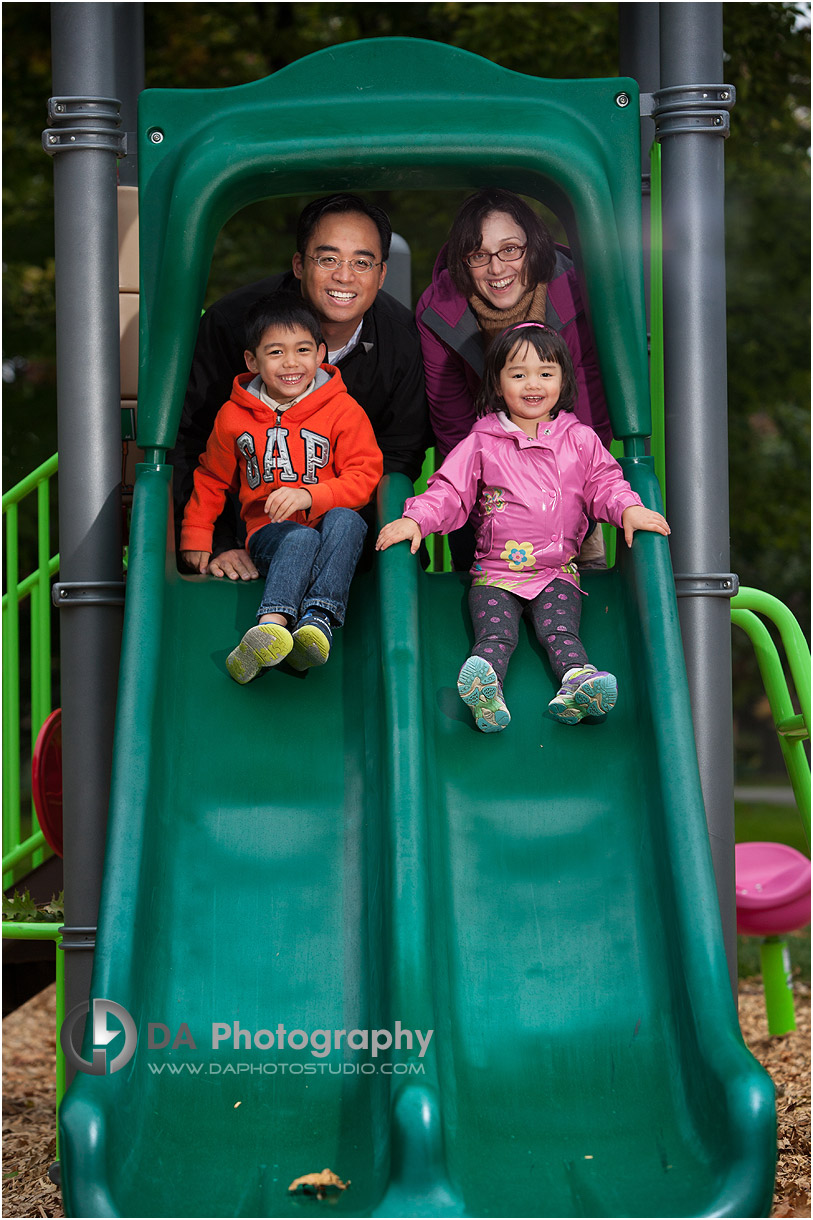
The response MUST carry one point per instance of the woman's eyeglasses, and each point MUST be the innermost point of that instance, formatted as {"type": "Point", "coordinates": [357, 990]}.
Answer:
{"type": "Point", "coordinates": [506, 254]}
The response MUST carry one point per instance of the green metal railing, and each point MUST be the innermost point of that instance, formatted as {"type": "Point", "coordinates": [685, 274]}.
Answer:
{"type": "Point", "coordinates": [793, 728]}
{"type": "Point", "coordinates": [48, 931]}
{"type": "Point", "coordinates": [24, 845]}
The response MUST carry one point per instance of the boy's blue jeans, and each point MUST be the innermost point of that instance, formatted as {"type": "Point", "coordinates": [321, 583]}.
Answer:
{"type": "Point", "coordinates": [308, 566]}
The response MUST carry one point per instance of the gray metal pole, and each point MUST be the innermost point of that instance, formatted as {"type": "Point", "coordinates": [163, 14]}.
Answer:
{"type": "Point", "coordinates": [639, 57]}
{"type": "Point", "coordinates": [129, 79]}
{"type": "Point", "coordinates": [88, 401]}
{"type": "Point", "coordinates": [696, 425]}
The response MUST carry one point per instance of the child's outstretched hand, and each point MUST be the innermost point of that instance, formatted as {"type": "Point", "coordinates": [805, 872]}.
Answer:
{"type": "Point", "coordinates": [285, 501]}
{"type": "Point", "coordinates": [402, 530]}
{"type": "Point", "coordinates": [639, 518]}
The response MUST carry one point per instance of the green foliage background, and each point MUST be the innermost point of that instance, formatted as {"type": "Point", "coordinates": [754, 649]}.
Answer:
{"type": "Point", "coordinates": [767, 48]}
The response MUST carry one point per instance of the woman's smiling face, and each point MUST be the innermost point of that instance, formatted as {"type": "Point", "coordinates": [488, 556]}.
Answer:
{"type": "Point", "coordinates": [500, 283]}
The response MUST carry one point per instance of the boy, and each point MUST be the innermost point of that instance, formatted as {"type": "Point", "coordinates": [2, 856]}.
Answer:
{"type": "Point", "coordinates": [304, 455]}
{"type": "Point", "coordinates": [371, 338]}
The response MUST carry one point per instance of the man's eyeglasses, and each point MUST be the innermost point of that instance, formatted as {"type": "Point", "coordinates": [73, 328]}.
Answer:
{"type": "Point", "coordinates": [329, 262]}
{"type": "Point", "coordinates": [507, 254]}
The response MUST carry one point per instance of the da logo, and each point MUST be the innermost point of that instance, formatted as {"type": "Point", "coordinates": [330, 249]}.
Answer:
{"type": "Point", "coordinates": [99, 1065]}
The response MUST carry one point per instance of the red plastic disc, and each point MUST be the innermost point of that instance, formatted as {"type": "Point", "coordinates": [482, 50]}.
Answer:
{"type": "Point", "coordinates": [46, 780]}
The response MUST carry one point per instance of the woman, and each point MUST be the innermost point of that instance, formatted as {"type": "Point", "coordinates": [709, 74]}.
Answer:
{"type": "Point", "coordinates": [500, 266]}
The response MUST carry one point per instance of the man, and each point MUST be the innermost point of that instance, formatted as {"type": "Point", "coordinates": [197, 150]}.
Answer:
{"type": "Point", "coordinates": [342, 249]}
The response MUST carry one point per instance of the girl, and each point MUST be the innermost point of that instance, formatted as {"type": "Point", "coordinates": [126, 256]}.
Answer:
{"type": "Point", "coordinates": [532, 473]}
{"type": "Point", "coordinates": [500, 266]}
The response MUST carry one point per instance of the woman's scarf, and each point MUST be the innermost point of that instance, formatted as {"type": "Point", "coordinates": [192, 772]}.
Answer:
{"type": "Point", "coordinates": [529, 308]}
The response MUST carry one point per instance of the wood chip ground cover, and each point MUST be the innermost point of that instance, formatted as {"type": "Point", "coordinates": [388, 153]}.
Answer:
{"type": "Point", "coordinates": [28, 1102]}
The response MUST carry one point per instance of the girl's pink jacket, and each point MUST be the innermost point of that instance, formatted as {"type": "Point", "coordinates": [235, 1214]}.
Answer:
{"type": "Point", "coordinates": [531, 498]}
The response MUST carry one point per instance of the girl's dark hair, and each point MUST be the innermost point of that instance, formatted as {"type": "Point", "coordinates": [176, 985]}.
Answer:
{"type": "Point", "coordinates": [284, 309]}
{"type": "Point", "coordinates": [548, 345]}
{"type": "Point", "coordinates": [466, 237]}
{"type": "Point", "coordinates": [331, 205]}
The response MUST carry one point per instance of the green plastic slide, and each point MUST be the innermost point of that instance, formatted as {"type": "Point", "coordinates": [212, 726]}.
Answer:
{"type": "Point", "coordinates": [345, 851]}
{"type": "Point", "coordinates": [470, 975]}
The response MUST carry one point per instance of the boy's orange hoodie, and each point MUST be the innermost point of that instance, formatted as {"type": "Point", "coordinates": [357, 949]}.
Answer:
{"type": "Point", "coordinates": [325, 443]}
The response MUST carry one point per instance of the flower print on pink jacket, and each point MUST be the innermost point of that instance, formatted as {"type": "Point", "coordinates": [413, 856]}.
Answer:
{"type": "Point", "coordinates": [530, 499]}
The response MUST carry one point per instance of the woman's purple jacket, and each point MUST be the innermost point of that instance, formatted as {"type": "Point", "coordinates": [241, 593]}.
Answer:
{"type": "Point", "coordinates": [452, 348]}
{"type": "Point", "coordinates": [529, 498]}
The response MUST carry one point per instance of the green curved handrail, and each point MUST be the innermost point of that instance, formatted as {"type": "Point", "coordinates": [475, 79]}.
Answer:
{"type": "Point", "coordinates": [793, 728]}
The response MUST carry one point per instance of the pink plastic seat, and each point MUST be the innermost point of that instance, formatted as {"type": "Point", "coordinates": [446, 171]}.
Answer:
{"type": "Point", "coordinates": [773, 889]}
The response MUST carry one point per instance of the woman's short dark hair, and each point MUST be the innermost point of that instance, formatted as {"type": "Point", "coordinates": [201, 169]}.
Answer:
{"type": "Point", "coordinates": [284, 309]}
{"type": "Point", "coordinates": [340, 204]}
{"type": "Point", "coordinates": [466, 236]}
{"type": "Point", "coordinates": [548, 345]}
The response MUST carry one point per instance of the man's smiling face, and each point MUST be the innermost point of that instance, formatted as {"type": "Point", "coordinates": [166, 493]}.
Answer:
{"type": "Point", "coordinates": [341, 296]}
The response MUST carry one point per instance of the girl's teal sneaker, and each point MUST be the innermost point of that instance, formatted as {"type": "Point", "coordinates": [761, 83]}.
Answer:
{"type": "Point", "coordinates": [479, 688]}
{"type": "Point", "coordinates": [585, 692]}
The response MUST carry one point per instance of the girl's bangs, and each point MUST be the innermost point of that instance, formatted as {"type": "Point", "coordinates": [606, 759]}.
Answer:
{"type": "Point", "coordinates": [545, 343]}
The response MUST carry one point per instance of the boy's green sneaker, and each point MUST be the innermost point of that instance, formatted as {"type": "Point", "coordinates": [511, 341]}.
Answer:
{"type": "Point", "coordinates": [479, 688]}
{"type": "Point", "coordinates": [313, 637]}
{"type": "Point", "coordinates": [585, 692]}
{"type": "Point", "coordinates": [261, 647]}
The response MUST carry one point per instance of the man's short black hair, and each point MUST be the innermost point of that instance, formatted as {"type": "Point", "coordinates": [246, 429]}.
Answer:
{"type": "Point", "coordinates": [341, 204]}
{"type": "Point", "coordinates": [284, 309]}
